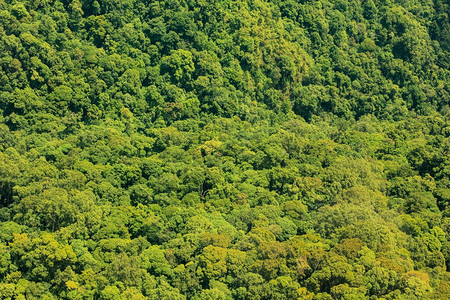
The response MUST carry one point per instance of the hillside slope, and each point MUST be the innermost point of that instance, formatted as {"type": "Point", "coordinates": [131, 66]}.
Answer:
{"type": "Point", "coordinates": [224, 149]}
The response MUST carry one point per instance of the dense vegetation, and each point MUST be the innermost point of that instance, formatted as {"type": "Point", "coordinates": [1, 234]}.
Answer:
{"type": "Point", "coordinates": [206, 149]}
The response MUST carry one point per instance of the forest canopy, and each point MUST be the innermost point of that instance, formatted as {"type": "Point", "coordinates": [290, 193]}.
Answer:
{"type": "Point", "coordinates": [224, 149]}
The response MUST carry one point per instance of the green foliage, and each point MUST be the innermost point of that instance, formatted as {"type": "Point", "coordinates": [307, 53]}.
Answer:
{"type": "Point", "coordinates": [260, 149]}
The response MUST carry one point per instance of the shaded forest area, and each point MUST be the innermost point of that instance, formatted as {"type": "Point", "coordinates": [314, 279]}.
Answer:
{"type": "Point", "coordinates": [250, 150]}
